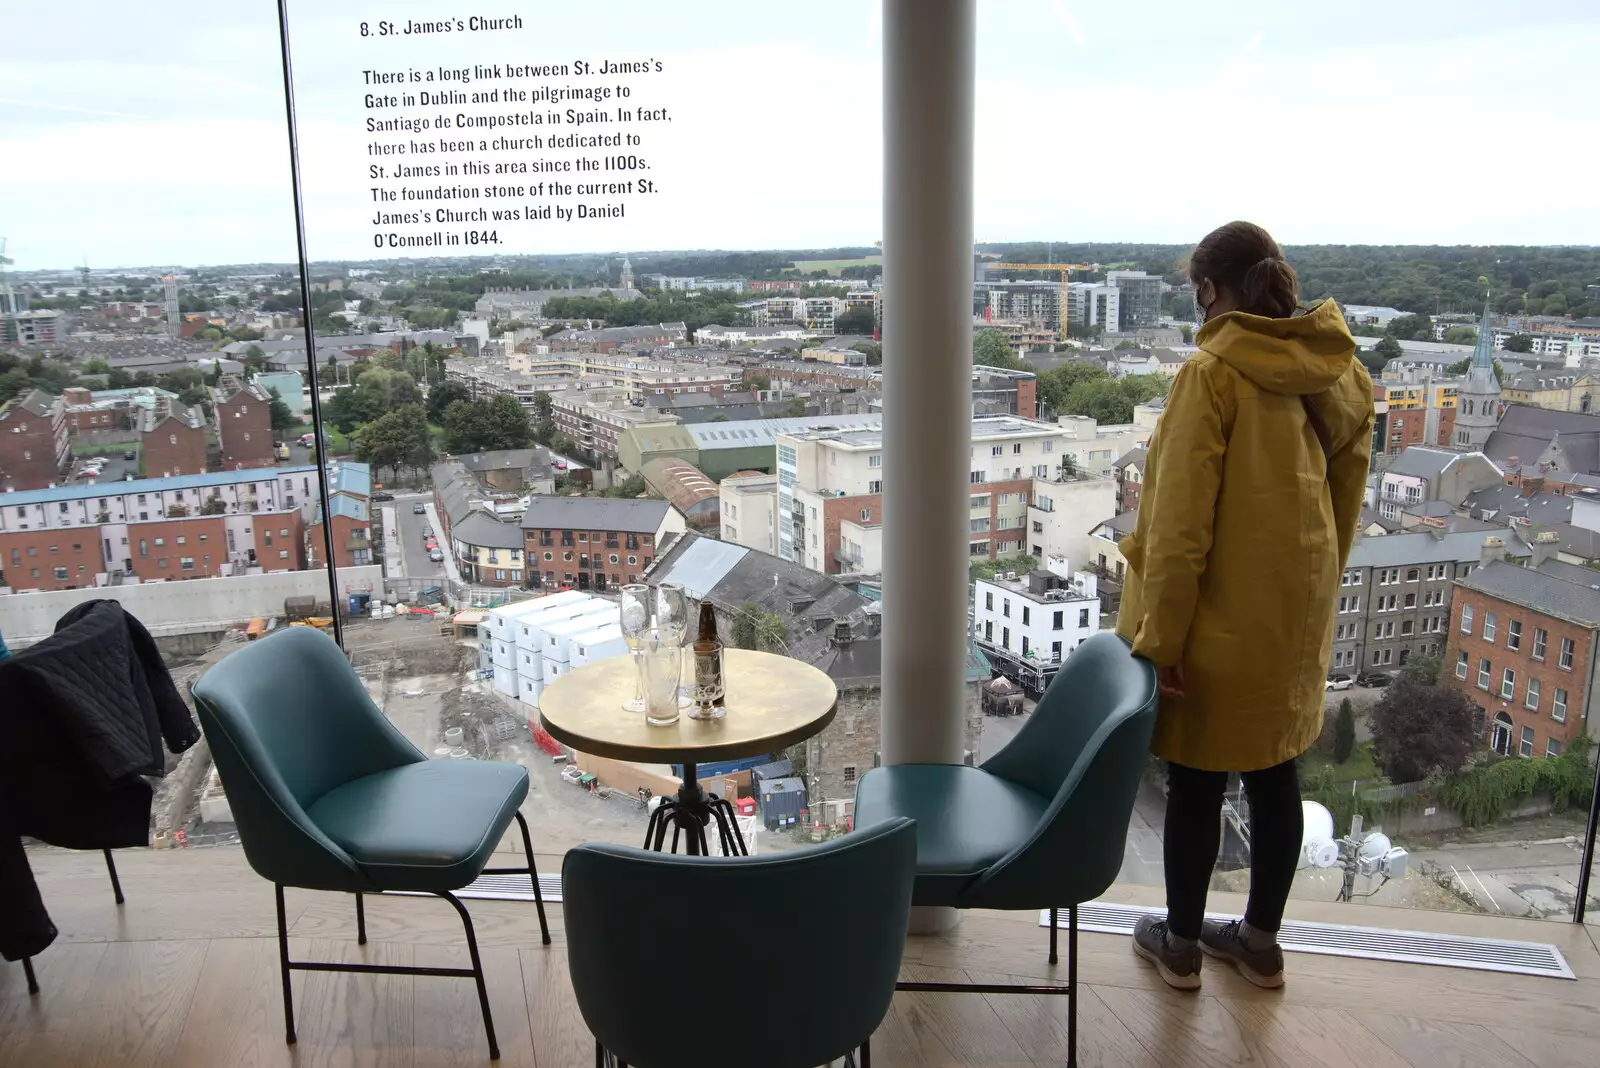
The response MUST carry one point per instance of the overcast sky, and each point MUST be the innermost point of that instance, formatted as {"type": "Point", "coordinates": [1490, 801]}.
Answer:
{"type": "Point", "coordinates": [153, 134]}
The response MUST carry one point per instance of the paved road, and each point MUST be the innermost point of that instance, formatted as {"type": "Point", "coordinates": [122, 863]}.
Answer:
{"type": "Point", "coordinates": [410, 546]}
{"type": "Point", "coordinates": [572, 465]}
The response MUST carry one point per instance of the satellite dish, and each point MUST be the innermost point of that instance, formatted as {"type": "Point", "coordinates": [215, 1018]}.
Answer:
{"type": "Point", "coordinates": [1317, 847]}
{"type": "Point", "coordinates": [1373, 846]}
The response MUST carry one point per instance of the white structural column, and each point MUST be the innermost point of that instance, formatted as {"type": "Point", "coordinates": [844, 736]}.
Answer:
{"type": "Point", "coordinates": [928, 60]}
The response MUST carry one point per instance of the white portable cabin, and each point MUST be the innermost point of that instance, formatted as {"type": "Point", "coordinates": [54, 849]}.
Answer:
{"type": "Point", "coordinates": [526, 629]}
{"type": "Point", "coordinates": [529, 689]}
{"type": "Point", "coordinates": [506, 680]}
{"type": "Point", "coordinates": [598, 645]}
{"type": "Point", "coordinates": [530, 657]}
{"type": "Point", "coordinates": [501, 617]}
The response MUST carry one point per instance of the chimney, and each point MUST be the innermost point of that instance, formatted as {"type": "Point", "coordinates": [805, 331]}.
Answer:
{"type": "Point", "coordinates": [1494, 548]}
{"type": "Point", "coordinates": [1545, 547]}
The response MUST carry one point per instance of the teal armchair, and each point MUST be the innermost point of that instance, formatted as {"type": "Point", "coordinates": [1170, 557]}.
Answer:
{"type": "Point", "coordinates": [328, 795]}
{"type": "Point", "coordinates": [1044, 822]}
{"type": "Point", "coordinates": [641, 925]}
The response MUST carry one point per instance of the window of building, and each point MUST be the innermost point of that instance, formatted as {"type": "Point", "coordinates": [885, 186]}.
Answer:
{"type": "Point", "coordinates": [1566, 654]}
{"type": "Point", "coordinates": [61, 572]}
{"type": "Point", "coordinates": [1552, 748]}
{"type": "Point", "coordinates": [1027, 614]}
{"type": "Point", "coordinates": [1466, 619]}
{"type": "Point", "coordinates": [977, 477]}
{"type": "Point", "coordinates": [1405, 627]}
{"type": "Point", "coordinates": [1055, 650]}
{"type": "Point", "coordinates": [1024, 645]}
{"type": "Point", "coordinates": [1526, 747]}
{"type": "Point", "coordinates": [988, 600]}
{"type": "Point", "coordinates": [849, 775]}
{"type": "Point", "coordinates": [186, 563]}
{"type": "Point", "coordinates": [1411, 600]}
{"type": "Point", "coordinates": [1083, 619]}
{"type": "Point", "coordinates": [1558, 705]}
{"type": "Point", "coordinates": [1540, 637]}
{"type": "Point", "coordinates": [161, 562]}
{"type": "Point", "coordinates": [1005, 607]}
{"type": "Point", "coordinates": [988, 630]}
{"type": "Point", "coordinates": [1508, 684]}
{"type": "Point", "coordinates": [1513, 634]}
{"type": "Point", "coordinates": [1532, 698]}
{"type": "Point", "coordinates": [875, 460]}
{"type": "Point", "coordinates": [997, 450]}
{"type": "Point", "coordinates": [1005, 637]}
{"type": "Point", "coordinates": [1483, 674]}
{"type": "Point", "coordinates": [1489, 622]}
{"type": "Point", "coordinates": [1461, 665]}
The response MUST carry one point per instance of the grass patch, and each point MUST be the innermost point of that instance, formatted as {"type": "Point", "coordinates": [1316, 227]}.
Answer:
{"type": "Point", "coordinates": [833, 267]}
{"type": "Point", "coordinates": [1317, 765]}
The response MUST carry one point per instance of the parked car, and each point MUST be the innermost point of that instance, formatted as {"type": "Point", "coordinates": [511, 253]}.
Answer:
{"type": "Point", "coordinates": [1338, 682]}
{"type": "Point", "coordinates": [1375, 679]}
{"type": "Point", "coordinates": [436, 556]}
{"type": "Point", "coordinates": [427, 531]}
{"type": "Point", "coordinates": [383, 496]}
{"type": "Point", "coordinates": [130, 455]}
{"type": "Point", "coordinates": [419, 509]}
{"type": "Point", "coordinates": [431, 543]}
{"type": "Point", "coordinates": [559, 465]}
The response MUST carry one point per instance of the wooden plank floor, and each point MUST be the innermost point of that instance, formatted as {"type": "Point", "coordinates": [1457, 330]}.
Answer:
{"type": "Point", "coordinates": [185, 976]}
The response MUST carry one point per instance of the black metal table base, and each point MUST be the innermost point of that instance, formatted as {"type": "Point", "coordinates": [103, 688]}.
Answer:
{"type": "Point", "coordinates": [689, 814]}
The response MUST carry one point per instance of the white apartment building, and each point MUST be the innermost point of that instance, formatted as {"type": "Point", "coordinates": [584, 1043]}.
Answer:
{"type": "Point", "coordinates": [262, 489]}
{"type": "Point", "coordinates": [1062, 514]}
{"type": "Point", "coordinates": [729, 337]}
{"type": "Point", "coordinates": [1095, 304]}
{"type": "Point", "coordinates": [749, 510]}
{"type": "Point", "coordinates": [830, 477]}
{"type": "Point", "coordinates": [1095, 448]}
{"type": "Point", "coordinates": [1029, 624]}
{"type": "Point", "coordinates": [814, 314]}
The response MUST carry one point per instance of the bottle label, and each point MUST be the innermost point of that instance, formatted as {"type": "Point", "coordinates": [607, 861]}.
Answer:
{"type": "Point", "coordinates": [708, 674]}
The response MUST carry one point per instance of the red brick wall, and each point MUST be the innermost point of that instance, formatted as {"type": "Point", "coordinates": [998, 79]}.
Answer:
{"type": "Point", "coordinates": [77, 549]}
{"type": "Point", "coordinates": [1028, 398]}
{"type": "Point", "coordinates": [344, 528]}
{"type": "Point", "coordinates": [165, 560]}
{"type": "Point", "coordinates": [1017, 536]}
{"type": "Point", "coordinates": [838, 509]}
{"type": "Point", "coordinates": [31, 458]}
{"type": "Point", "coordinates": [1447, 426]}
{"type": "Point", "coordinates": [174, 448]}
{"type": "Point", "coordinates": [566, 572]}
{"type": "Point", "coordinates": [267, 528]}
{"type": "Point", "coordinates": [245, 432]}
{"type": "Point", "coordinates": [1548, 671]}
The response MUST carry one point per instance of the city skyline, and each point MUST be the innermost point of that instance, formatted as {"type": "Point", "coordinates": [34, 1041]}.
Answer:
{"type": "Point", "coordinates": [152, 141]}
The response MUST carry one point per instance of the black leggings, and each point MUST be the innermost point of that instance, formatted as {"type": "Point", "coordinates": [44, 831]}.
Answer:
{"type": "Point", "coordinates": [1194, 834]}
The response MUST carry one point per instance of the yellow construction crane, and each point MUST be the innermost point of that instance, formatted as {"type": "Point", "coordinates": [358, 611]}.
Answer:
{"type": "Point", "coordinates": [1065, 268]}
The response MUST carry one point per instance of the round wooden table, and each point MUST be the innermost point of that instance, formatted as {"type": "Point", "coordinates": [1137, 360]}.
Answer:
{"type": "Point", "coordinates": [772, 702]}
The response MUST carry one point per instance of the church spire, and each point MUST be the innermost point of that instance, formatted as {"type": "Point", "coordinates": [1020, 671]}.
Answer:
{"type": "Point", "coordinates": [1483, 355]}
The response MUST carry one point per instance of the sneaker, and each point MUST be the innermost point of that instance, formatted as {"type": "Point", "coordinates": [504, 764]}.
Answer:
{"type": "Point", "coordinates": [1264, 967]}
{"type": "Point", "coordinates": [1180, 968]}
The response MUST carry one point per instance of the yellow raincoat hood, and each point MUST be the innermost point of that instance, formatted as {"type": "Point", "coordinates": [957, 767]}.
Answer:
{"type": "Point", "coordinates": [1244, 526]}
{"type": "Point", "coordinates": [1305, 354]}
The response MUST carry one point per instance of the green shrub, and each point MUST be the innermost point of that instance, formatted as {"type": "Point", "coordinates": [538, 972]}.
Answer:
{"type": "Point", "coordinates": [1484, 793]}
{"type": "Point", "coordinates": [1344, 733]}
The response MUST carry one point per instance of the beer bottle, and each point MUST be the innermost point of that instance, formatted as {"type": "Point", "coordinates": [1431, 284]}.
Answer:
{"type": "Point", "coordinates": [708, 685]}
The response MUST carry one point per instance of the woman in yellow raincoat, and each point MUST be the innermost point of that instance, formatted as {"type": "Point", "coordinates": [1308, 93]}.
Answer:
{"type": "Point", "coordinates": [1253, 489]}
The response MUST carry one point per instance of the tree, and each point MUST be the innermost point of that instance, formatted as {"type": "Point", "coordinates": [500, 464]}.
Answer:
{"type": "Point", "coordinates": [993, 349]}
{"type": "Point", "coordinates": [1419, 730]}
{"type": "Point", "coordinates": [1460, 335]}
{"type": "Point", "coordinates": [97, 366]}
{"type": "Point", "coordinates": [476, 426]}
{"type": "Point", "coordinates": [1422, 669]}
{"type": "Point", "coordinates": [857, 320]}
{"type": "Point", "coordinates": [445, 394]}
{"type": "Point", "coordinates": [630, 487]}
{"type": "Point", "coordinates": [1460, 368]}
{"type": "Point", "coordinates": [380, 391]}
{"type": "Point", "coordinates": [1411, 328]}
{"type": "Point", "coordinates": [757, 382]}
{"type": "Point", "coordinates": [255, 359]}
{"type": "Point", "coordinates": [214, 505]}
{"type": "Point", "coordinates": [1068, 470]}
{"type": "Point", "coordinates": [756, 628]}
{"type": "Point", "coordinates": [1344, 733]}
{"type": "Point", "coordinates": [177, 511]}
{"type": "Point", "coordinates": [543, 407]}
{"type": "Point", "coordinates": [396, 439]}
{"type": "Point", "coordinates": [1055, 384]}
{"type": "Point", "coordinates": [872, 350]}
{"type": "Point", "coordinates": [1187, 332]}
{"type": "Point", "coordinates": [1111, 401]}
{"type": "Point", "coordinates": [1519, 343]}
{"type": "Point", "coordinates": [282, 418]}
{"type": "Point", "coordinates": [1378, 357]}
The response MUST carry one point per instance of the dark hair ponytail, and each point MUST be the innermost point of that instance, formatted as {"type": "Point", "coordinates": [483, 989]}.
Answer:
{"type": "Point", "coordinates": [1242, 257]}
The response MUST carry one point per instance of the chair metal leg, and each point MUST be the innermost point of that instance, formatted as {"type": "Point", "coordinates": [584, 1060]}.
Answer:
{"type": "Point", "coordinates": [533, 873]}
{"type": "Point", "coordinates": [27, 970]}
{"type": "Point", "coordinates": [361, 920]}
{"type": "Point", "coordinates": [477, 971]}
{"type": "Point", "coordinates": [111, 869]}
{"type": "Point", "coordinates": [1072, 984]}
{"type": "Point", "coordinates": [1054, 917]}
{"type": "Point", "coordinates": [866, 1053]}
{"type": "Point", "coordinates": [283, 964]}
{"type": "Point", "coordinates": [599, 1055]}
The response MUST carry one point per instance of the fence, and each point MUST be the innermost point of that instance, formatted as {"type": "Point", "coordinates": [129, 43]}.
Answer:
{"type": "Point", "coordinates": [459, 595]}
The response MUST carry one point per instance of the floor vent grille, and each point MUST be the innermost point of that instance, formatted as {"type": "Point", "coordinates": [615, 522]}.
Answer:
{"type": "Point", "coordinates": [1370, 943]}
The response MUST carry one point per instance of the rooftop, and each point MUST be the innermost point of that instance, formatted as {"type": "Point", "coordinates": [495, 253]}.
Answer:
{"type": "Point", "coordinates": [594, 513]}
{"type": "Point", "coordinates": [343, 507]}
{"type": "Point", "coordinates": [479, 527]}
{"type": "Point", "coordinates": [1525, 432]}
{"type": "Point", "coordinates": [153, 485]}
{"type": "Point", "coordinates": [1399, 550]}
{"type": "Point", "coordinates": [1550, 593]}
{"type": "Point", "coordinates": [748, 433]}
{"type": "Point", "coordinates": [1426, 461]}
